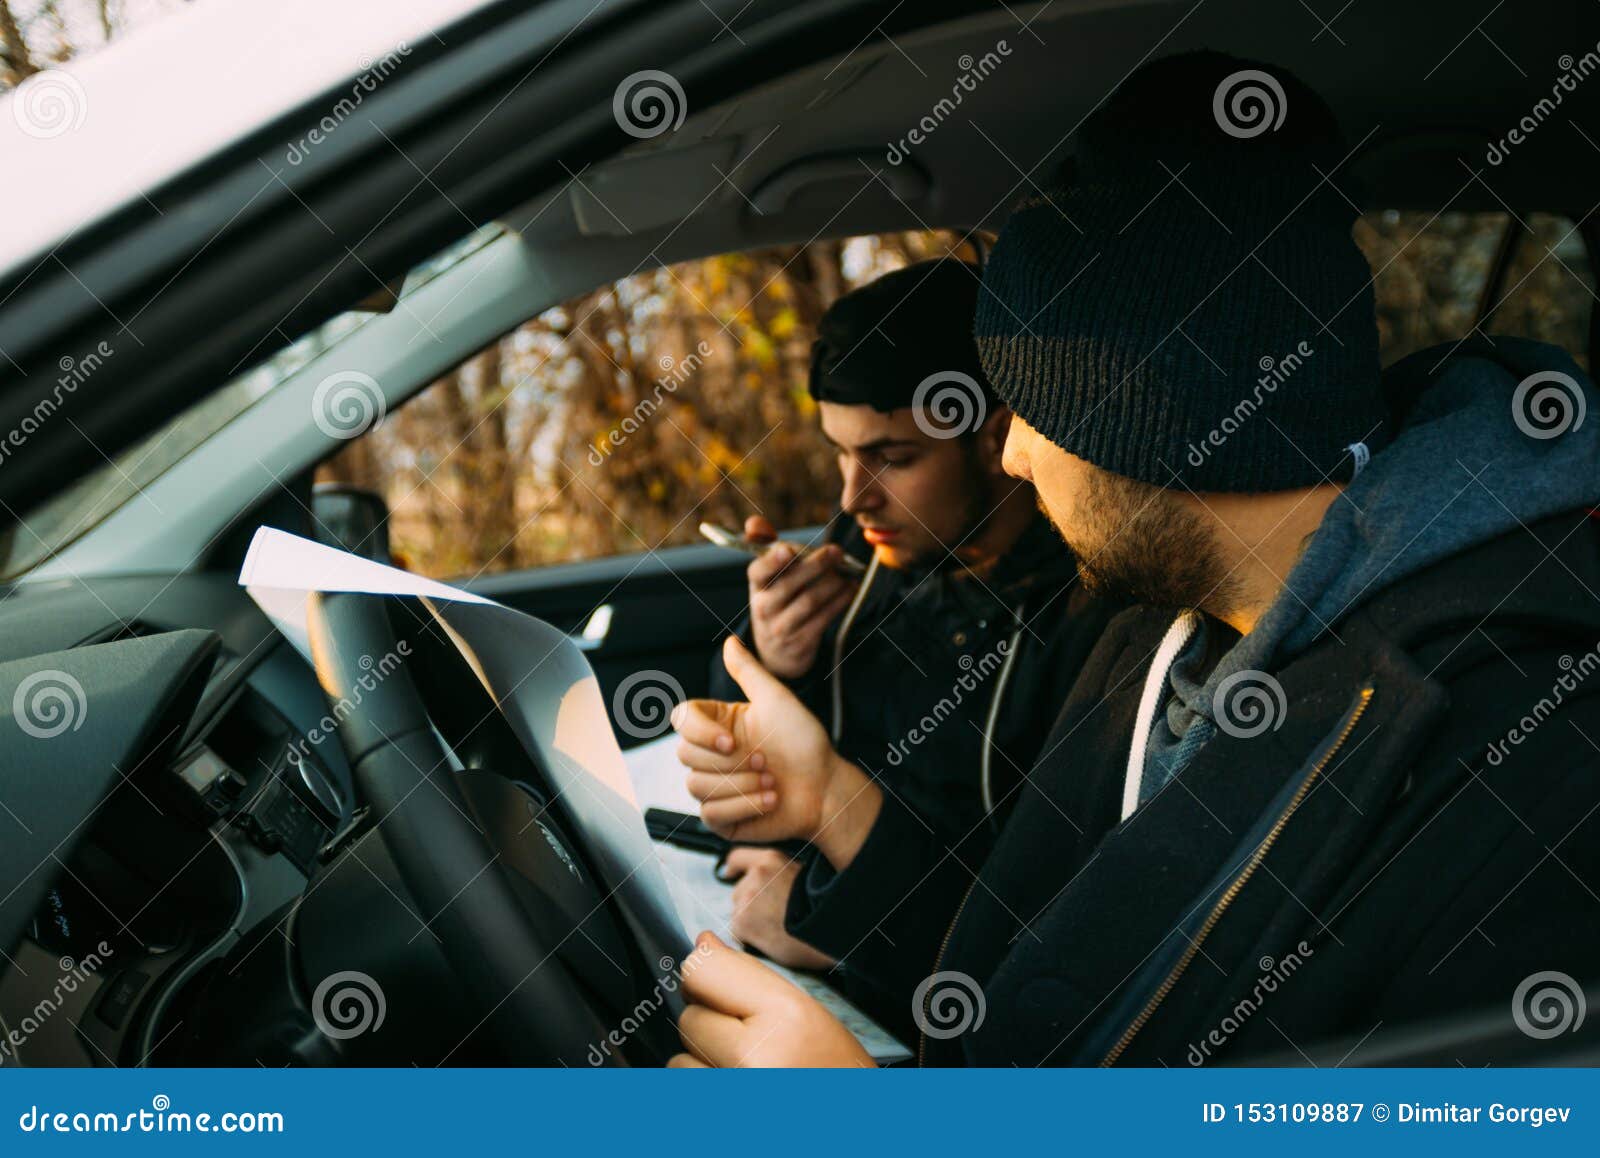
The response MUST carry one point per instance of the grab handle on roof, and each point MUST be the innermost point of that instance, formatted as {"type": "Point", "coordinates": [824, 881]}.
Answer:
{"type": "Point", "coordinates": [906, 182]}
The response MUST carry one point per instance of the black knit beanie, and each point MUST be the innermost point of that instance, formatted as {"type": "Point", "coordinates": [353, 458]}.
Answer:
{"type": "Point", "coordinates": [1160, 310]}
{"type": "Point", "coordinates": [876, 346]}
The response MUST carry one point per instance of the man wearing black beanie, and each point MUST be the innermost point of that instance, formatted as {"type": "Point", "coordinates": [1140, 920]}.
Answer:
{"type": "Point", "coordinates": [942, 666]}
{"type": "Point", "coordinates": [1345, 781]}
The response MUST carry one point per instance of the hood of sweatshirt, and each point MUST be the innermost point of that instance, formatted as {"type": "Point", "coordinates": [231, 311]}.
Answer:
{"type": "Point", "coordinates": [1492, 434]}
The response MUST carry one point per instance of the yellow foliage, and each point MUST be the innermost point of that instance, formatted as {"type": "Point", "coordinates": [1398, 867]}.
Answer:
{"type": "Point", "coordinates": [720, 454]}
{"type": "Point", "coordinates": [760, 347]}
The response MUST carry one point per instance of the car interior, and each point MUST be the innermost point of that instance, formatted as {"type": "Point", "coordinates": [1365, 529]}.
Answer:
{"type": "Point", "coordinates": [175, 845]}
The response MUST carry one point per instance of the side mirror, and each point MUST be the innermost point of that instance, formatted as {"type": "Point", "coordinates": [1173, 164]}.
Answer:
{"type": "Point", "coordinates": [352, 519]}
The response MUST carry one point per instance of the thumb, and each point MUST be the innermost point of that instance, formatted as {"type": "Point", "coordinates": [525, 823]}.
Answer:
{"type": "Point", "coordinates": [754, 680]}
{"type": "Point", "coordinates": [727, 980]}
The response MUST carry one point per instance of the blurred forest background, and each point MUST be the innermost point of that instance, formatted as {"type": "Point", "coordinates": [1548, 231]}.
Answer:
{"type": "Point", "coordinates": [549, 446]}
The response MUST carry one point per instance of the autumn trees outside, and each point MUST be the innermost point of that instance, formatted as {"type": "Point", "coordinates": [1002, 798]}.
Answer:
{"type": "Point", "coordinates": [618, 421]}
{"type": "Point", "coordinates": [573, 437]}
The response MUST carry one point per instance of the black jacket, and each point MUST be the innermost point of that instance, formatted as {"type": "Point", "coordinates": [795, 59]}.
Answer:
{"type": "Point", "coordinates": [943, 685]}
{"type": "Point", "coordinates": [1366, 865]}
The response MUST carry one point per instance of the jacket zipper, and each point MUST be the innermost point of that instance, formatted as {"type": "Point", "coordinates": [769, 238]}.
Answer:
{"type": "Point", "coordinates": [1233, 889]}
{"type": "Point", "coordinates": [938, 960]}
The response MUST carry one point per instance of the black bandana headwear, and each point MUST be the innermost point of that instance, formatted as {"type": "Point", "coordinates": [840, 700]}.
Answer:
{"type": "Point", "coordinates": [876, 345]}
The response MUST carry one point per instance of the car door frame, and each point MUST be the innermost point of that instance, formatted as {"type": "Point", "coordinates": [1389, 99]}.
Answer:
{"type": "Point", "coordinates": [220, 263]}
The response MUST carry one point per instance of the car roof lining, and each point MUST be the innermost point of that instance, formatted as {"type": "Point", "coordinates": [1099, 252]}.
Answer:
{"type": "Point", "coordinates": [1414, 129]}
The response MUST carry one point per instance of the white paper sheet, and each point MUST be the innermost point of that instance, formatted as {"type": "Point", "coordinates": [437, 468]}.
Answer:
{"type": "Point", "coordinates": [544, 688]}
{"type": "Point", "coordinates": [290, 563]}
{"type": "Point", "coordinates": [551, 699]}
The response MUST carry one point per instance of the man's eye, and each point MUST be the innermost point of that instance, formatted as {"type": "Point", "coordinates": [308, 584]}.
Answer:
{"type": "Point", "coordinates": [891, 461]}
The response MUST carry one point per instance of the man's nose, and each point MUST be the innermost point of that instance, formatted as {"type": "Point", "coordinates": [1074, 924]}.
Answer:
{"type": "Point", "coordinates": [860, 491]}
{"type": "Point", "coordinates": [1013, 456]}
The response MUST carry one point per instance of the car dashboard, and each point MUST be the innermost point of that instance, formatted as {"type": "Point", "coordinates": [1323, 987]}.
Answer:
{"type": "Point", "coordinates": [170, 784]}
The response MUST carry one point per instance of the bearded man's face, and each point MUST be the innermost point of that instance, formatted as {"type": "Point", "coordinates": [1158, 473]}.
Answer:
{"type": "Point", "coordinates": [1141, 542]}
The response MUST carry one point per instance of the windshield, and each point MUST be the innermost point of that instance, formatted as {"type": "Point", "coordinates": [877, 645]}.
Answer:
{"type": "Point", "coordinates": [60, 520]}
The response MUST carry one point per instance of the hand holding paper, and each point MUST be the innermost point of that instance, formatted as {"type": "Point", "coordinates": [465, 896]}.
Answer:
{"type": "Point", "coordinates": [741, 1013]}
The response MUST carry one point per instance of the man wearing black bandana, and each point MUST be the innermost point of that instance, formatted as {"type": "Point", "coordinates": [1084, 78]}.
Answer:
{"type": "Point", "coordinates": [943, 666]}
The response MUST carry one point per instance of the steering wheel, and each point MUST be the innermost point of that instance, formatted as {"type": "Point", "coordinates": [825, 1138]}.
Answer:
{"type": "Point", "coordinates": [458, 873]}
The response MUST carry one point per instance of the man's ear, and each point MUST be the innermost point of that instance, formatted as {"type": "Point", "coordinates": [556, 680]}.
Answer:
{"type": "Point", "coordinates": [992, 437]}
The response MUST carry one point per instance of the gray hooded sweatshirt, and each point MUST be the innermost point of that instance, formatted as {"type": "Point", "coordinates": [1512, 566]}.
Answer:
{"type": "Point", "coordinates": [1493, 434]}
